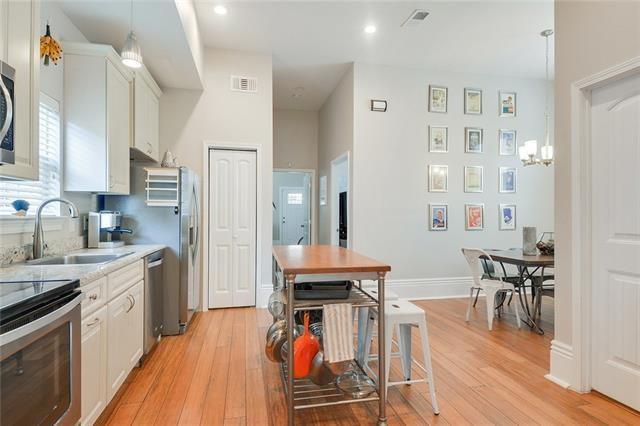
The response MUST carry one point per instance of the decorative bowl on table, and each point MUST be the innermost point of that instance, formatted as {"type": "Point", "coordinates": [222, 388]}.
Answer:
{"type": "Point", "coordinates": [546, 244]}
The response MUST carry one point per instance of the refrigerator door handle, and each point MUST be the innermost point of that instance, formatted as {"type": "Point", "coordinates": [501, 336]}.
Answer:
{"type": "Point", "coordinates": [196, 226]}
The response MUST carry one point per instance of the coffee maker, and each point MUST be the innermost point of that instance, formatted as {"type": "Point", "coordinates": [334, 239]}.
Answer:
{"type": "Point", "coordinates": [105, 230]}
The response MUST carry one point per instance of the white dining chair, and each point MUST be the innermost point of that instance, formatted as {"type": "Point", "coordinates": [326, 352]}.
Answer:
{"type": "Point", "coordinates": [491, 286]}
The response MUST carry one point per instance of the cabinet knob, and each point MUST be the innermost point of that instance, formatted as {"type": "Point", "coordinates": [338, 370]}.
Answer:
{"type": "Point", "coordinates": [94, 296]}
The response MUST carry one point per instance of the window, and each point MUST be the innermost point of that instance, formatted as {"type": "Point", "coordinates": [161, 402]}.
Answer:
{"type": "Point", "coordinates": [49, 184]}
{"type": "Point", "coordinates": [294, 198]}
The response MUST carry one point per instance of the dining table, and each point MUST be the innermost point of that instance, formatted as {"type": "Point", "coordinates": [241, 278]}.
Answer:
{"type": "Point", "coordinates": [532, 268]}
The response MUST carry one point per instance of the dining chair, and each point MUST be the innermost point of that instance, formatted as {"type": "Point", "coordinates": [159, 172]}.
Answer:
{"type": "Point", "coordinates": [489, 272]}
{"type": "Point", "coordinates": [490, 285]}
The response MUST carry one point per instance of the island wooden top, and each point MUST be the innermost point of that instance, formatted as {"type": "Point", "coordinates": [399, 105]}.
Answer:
{"type": "Point", "coordinates": [516, 257]}
{"type": "Point", "coordinates": [318, 259]}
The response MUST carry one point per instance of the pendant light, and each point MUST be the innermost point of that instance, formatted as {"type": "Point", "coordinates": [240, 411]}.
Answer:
{"type": "Point", "coordinates": [131, 54]}
{"type": "Point", "coordinates": [529, 150]}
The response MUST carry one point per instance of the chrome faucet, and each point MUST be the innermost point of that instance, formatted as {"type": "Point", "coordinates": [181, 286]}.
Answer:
{"type": "Point", "coordinates": [38, 237]}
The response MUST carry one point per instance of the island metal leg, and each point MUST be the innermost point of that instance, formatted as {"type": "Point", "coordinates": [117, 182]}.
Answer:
{"type": "Point", "coordinates": [290, 281]}
{"type": "Point", "coordinates": [382, 382]}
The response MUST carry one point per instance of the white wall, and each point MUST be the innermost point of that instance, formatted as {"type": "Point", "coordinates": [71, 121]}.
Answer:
{"type": "Point", "coordinates": [295, 139]}
{"type": "Point", "coordinates": [335, 137]}
{"type": "Point", "coordinates": [217, 114]}
{"type": "Point", "coordinates": [390, 208]}
{"type": "Point", "coordinates": [590, 37]}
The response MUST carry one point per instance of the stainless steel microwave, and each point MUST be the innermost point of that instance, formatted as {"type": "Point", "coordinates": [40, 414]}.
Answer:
{"type": "Point", "coordinates": [7, 110]}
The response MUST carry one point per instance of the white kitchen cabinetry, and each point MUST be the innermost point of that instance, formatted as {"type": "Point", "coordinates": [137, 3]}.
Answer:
{"type": "Point", "coordinates": [146, 117]}
{"type": "Point", "coordinates": [97, 110]}
{"type": "Point", "coordinates": [94, 365]}
{"type": "Point", "coordinates": [20, 48]}
{"type": "Point", "coordinates": [112, 335]}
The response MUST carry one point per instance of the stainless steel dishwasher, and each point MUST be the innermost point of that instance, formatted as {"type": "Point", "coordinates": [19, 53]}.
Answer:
{"type": "Point", "coordinates": [152, 299]}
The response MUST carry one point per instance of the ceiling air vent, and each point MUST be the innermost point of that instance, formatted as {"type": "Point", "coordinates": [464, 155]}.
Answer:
{"type": "Point", "coordinates": [244, 84]}
{"type": "Point", "coordinates": [416, 18]}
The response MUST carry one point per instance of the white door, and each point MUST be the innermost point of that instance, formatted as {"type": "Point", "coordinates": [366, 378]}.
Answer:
{"type": "Point", "coordinates": [232, 225]}
{"type": "Point", "coordinates": [616, 240]}
{"type": "Point", "coordinates": [294, 226]}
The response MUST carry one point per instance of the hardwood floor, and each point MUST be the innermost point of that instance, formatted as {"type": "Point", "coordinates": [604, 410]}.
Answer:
{"type": "Point", "coordinates": [217, 373]}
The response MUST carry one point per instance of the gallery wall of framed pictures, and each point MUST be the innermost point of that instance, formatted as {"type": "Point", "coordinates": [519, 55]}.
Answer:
{"type": "Point", "coordinates": [475, 139]}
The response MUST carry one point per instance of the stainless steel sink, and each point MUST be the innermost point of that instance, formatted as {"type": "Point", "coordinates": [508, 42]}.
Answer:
{"type": "Point", "coordinates": [78, 259]}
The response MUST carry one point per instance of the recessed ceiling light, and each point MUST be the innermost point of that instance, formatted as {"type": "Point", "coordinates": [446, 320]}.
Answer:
{"type": "Point", "coordinates": [220, 10]}
{"type": "Point", "coordinates": [370, 29]}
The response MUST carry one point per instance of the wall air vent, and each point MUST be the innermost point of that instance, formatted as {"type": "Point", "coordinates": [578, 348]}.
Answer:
{"type": "Point", "coordinates": [416, 18]}
{"type": "Point", "coordinates": [244, 84]}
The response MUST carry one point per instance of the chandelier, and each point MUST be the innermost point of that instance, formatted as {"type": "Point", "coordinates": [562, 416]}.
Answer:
{"type": "Point", "coordinates": [529, 149]}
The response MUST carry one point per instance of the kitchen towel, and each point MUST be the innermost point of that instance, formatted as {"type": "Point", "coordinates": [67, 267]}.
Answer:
{"type": "Point", "coordinates": [338, 332]}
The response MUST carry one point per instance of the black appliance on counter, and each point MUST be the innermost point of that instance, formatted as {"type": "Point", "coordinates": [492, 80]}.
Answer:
{"type": "Point", "coordinates": [40, 352]}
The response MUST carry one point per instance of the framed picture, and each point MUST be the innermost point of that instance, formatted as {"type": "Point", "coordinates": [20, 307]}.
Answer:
{"type": "Point", "coordinates": [438, 139]}
{"type": "Point", "coordinates": [438, 217]}
{"type": "Point", "coordinates": [473, 179]}
{"type": "Point", "coordinates": [438, 98]}
{"type": "Point", "coordinates": [474, 217]}
{"type": "Point", "coordinates": [508, 179]}
{"type": "Point", "coordinates": [472, 101]}
{"type": "Point", "coordinates": [438, 178]}
{"type": "Point", "coordinates": [473, 140]}
{"type": "Point", "coordinates": [508, 142]}
{"type": "Point", "coordinates": [507, 104]}
{"type": "Point", "coordinates": [507, 217]}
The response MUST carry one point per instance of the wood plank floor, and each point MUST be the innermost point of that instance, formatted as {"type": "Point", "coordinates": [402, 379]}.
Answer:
{"type": "Point", "coordinates": [217, 373]}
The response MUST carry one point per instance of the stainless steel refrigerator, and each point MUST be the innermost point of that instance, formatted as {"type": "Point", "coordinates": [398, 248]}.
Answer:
{"type": "Point", "coordinates": [178, 228]}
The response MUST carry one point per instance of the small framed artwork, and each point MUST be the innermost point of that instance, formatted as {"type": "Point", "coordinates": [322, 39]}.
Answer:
{"type": "Point", "coordinates": [473, 140]}
{"type": "Point", "coordinates": [473, 179]}
{"type": "Point", "coordinates": [438, 178]}
{"type": "Point", "coordinates": [438, 139]}
{"type": "Point", "coordinates": [438, 98]}
{"type": "Point", "coordinates": [508, 142]}
{"type": "Point", "coordinates": [474, 217]}
{"type": "Point", "coordinates": [438, 217]}
{"type": "Point", "coordinates": [507, 217]}
{"type": "Point", "coordinates": [507, 104]}
{"type": "Point", "coordinates": [473, 101]}
{"type": "Point", "coordinates": [508, 179]}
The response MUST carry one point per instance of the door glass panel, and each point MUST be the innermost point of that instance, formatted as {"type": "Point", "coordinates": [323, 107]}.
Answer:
{"type": "Point", "coordinates": [39, 373]}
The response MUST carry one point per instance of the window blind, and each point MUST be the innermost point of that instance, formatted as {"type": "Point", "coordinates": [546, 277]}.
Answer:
{"type": "Point", "coordinates": [49, 184]}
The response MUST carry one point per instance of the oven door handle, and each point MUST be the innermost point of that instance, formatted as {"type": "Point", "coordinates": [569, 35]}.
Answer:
{"type": "Point", "coordinates": [36, 325]}
{"type": "Point", "coordinates": [8, 117]}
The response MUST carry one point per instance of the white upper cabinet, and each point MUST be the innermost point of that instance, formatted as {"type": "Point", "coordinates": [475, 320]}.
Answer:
{"type": "Point", "coordinates": [98, 128]}
{"type": "Point", "coordinates": [146, 112]}
{"type": "Point", "coordinates": [20, 48]}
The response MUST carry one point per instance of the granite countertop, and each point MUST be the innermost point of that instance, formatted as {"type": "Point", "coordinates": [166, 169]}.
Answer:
{"type": "Point", "coordinates": [85, 273]}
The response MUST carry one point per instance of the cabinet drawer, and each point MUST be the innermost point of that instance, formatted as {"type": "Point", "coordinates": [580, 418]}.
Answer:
{"type": "Point", "coordinates": [95, 296]}
{"type": "Point", "coordinates": [122, 279]}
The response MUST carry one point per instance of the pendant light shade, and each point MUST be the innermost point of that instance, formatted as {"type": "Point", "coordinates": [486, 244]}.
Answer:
{"type": "Point", "coordinates": [131, 54]}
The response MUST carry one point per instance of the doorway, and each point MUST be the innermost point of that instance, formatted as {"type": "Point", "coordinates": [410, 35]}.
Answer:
{"type": "Point", "coordinates": [232, 228]}
{"type": "Point", "coordinates": [340, 201]}
{"type": "Point", "coordinates": [293, 207]}
{"type": "Point", "coordinates": [615, 231]}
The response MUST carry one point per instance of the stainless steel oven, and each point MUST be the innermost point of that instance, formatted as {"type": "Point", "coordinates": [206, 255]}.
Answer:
{"type": "Point", "coordinates": [40, 353]}
{"type": "Point", "coordinates": [7, 110]}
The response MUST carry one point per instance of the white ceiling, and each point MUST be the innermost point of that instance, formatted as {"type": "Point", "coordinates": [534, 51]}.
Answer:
{"type": "Point", "coordinates": [312, 42]}
{"type": "Point", "coordinates": [159, 30]}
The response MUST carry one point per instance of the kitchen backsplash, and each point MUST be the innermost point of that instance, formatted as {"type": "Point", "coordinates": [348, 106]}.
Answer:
{"type": "Point", "coordinates": [20, 253]}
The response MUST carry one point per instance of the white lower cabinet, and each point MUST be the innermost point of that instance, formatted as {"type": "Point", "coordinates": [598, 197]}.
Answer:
{"type": "Point", "coordinates": [124, 336]}
{"type": "Point", "coordinates": [94, 365]}
{"type": "Point", "coordinates": [112, 336]}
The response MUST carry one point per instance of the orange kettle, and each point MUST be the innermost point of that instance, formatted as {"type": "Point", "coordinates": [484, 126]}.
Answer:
{"type": "Point", "coordinates": [305, 349]}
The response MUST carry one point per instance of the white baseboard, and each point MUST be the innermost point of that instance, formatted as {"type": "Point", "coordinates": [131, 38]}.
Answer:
{"type": "Point", "coordinates": [562, 371]}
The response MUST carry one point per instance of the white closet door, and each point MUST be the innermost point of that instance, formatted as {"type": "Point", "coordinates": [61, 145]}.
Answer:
{"type": "Point", "coordinates": [616, 240]}
{"type": "Point", "coordinates": [232, 224]}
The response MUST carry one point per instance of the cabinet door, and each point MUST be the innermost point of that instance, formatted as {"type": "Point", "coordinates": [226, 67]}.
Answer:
{"type": "Point", "coordinates": [118, 342]}
{"type": "Point", "coordinates": [135, 326]}
{"type": "Point", "coordinates": [154, 126]}
{"type": "Point", "coordinates": [94, 365]}
{"type": "Point", "coordinates": [141, 116]}
{"type": "Point", "coordinates": [118, 130]}
{"type": "Point", "coordinates": [19, 27]}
